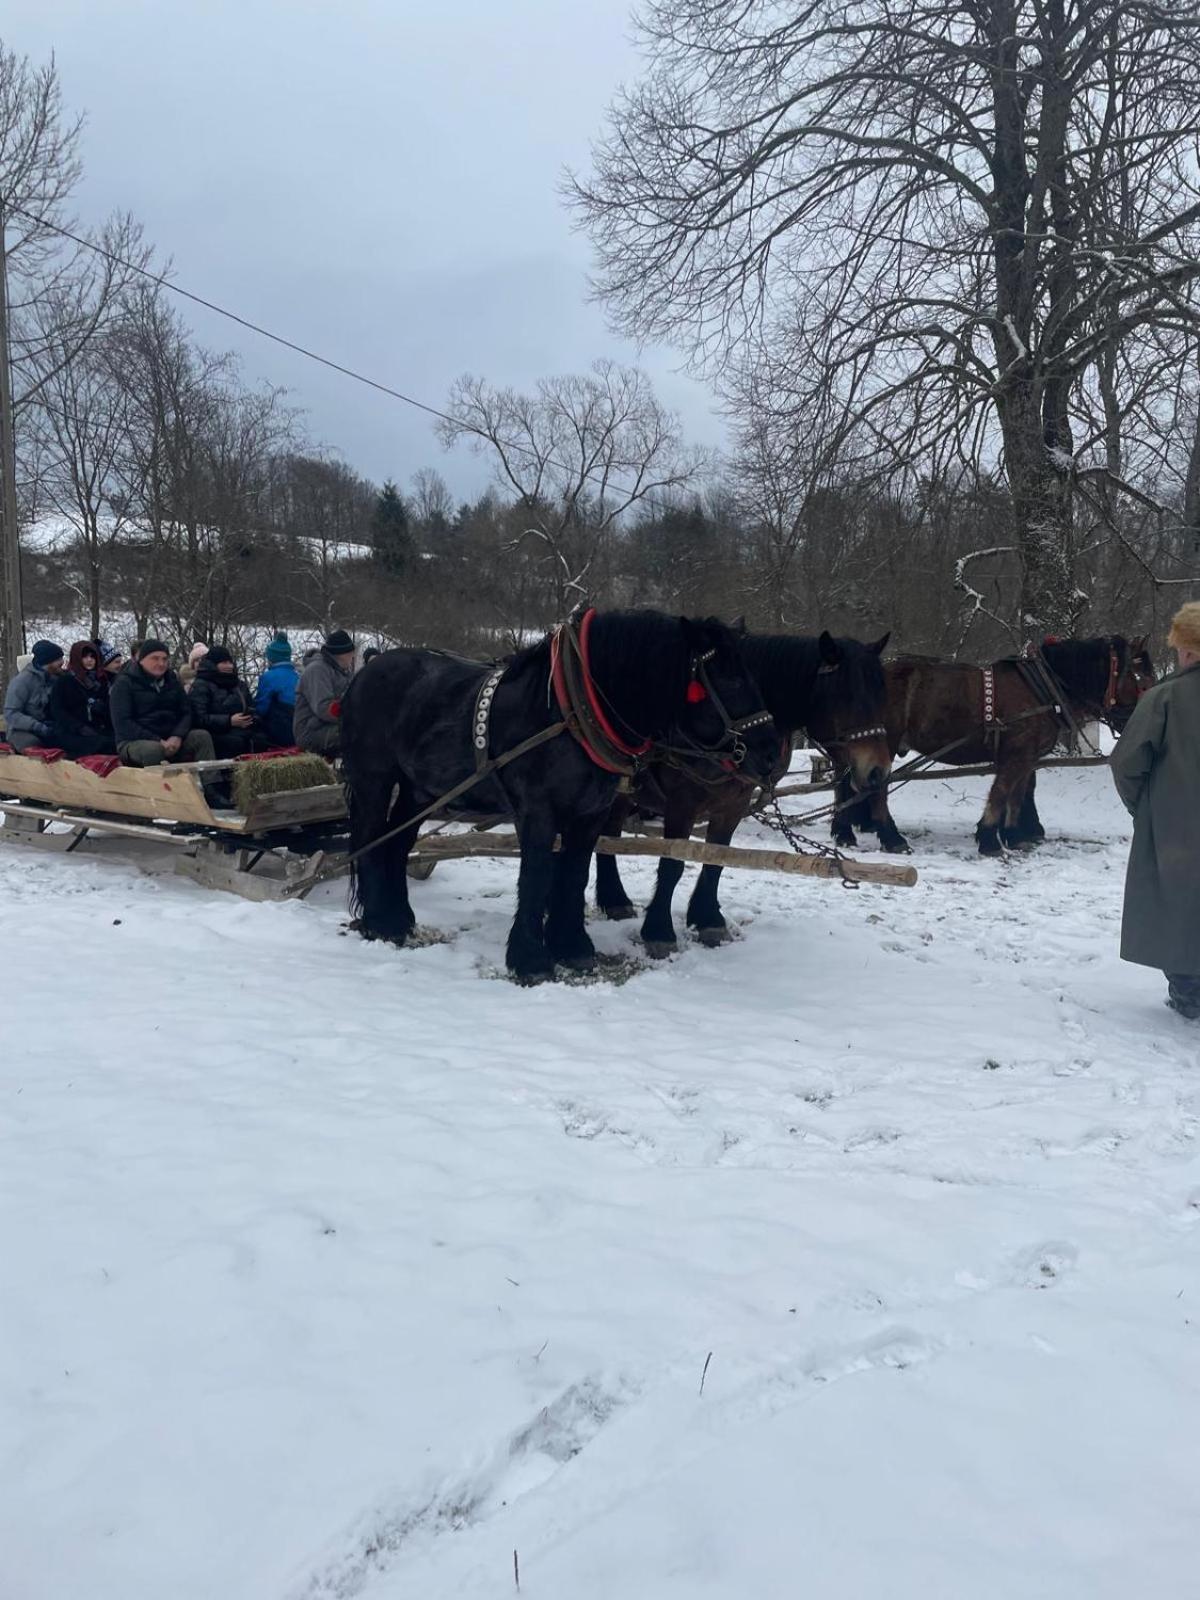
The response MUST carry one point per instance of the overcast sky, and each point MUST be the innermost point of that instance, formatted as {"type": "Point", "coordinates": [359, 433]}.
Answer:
{"type": "Point", "coordinates": [376, 179]}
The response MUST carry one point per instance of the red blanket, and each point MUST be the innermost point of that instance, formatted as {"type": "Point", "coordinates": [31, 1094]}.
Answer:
{"type": "Point", "coordinates": [44, 752]}
{"type": "Point", "coordinates": [100, 765]}
{"type": "Point", "coordinates": [270, 755]}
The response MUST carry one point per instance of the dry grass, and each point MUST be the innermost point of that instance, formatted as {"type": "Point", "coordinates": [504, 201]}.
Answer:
{"type": "Point", "coordinates": [254, 778]}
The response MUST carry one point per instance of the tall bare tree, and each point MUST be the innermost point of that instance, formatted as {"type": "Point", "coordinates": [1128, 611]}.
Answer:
{"type": "Point", "coordinates": [898, 225]}
{"type": "Point", "coordinates": [578, 454]}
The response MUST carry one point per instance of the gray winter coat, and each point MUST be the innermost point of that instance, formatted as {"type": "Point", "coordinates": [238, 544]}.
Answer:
{"type": "Point", "coordinates": [27, 703]}
{"type": "Point", "coordinates": [1156, 767]}
{"type": "Point", "coordinates": [322, 684]}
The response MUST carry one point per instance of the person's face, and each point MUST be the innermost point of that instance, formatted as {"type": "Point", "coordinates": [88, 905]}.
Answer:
{"type": "Point", "coordinates": [227, 667]}
{"type": "Point", "coordinates": [53, 668]}
{"type": "Point", "coordinates": [345, 660]}
{"type": "Point", "coordinates": [88, 660]}
{"type": "Point", "coordinates": [115, 664]}
{"type": "Point", "coordinates": [156, 664]}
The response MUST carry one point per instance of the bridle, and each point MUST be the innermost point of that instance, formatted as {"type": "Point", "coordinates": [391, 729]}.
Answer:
{"type": "Point", "coordinates": [730, 750]}
{"type": "Point", "coordinates": [841, 741]}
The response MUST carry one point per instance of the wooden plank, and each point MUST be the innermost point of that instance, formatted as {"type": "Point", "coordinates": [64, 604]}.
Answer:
{"type": "Point", "coordinates": [445, 848]}
{"type": "Point", "coordinates": [324, 802]}
{"type": "Point", "coordinates": [145, 792]}
{"type": "Point", "coordinates": [976, 770]}
{"type": "Point", "coordinates": [128, 830]}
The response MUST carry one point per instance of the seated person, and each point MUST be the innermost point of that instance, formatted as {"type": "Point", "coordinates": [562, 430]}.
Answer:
{"type": "Point", "coordinates": [27, 702]}
{"type": "Point", "coordinates": [151, 714]}
{"type": "Point", "coordinates": [275, 697]}
{"type": "Point", "coordinates": [111, 660]}
{"type": "Point", "coordinates": [221, 704]}
{"type": "Point", "coordinates": [79, 720]}
{"type": "Point", "coordinates": [318, 695]}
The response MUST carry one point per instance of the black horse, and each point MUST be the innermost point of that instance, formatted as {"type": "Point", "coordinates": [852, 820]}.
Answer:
{"type": "Point", "coordinates": [412, 731]}
{"type": "Point", "coordinates": [831, 688]}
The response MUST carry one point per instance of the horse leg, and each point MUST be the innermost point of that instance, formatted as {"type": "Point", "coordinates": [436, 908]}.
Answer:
{"type": "Point", "coordinates": [704, 908]}
{"type": "Point", "coordinates": [890, 837]}
{"type": "Point", "coordinates": [610, 891]}
{"type": "Point", "coordinates": [379, 883]}
{"type": "Point", "coordinates": [1029, 824]}
{"type": "Point", "coordinates": [658, 930]}
{"type": "Point", "coordinates": [987, 832]}
{"type": "Point", "coordinates": [849, 811]}
{"type": "Point", "coordinates": [566, 937]}
{"type": "Point", "coordinates": [528, 959]}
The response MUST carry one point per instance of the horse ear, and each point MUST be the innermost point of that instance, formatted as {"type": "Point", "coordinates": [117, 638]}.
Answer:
{"type": "Point", "coordinates": [880, 644]}
{"type": "Point", "coordinates": [739, 627]}
{"type": "Point", "coordinates": [831, 653]}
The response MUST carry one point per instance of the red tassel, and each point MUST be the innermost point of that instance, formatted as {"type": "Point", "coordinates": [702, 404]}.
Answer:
{"type": "Point", "coordinates": [696, 692]}
{"type": "Point", "coordinates": [335, 708]}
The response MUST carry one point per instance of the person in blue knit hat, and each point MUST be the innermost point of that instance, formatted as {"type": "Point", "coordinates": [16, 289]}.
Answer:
{"type": "Point", "coordinates": [27, 702]}
{"type": "Point", "coordinates": [275, 697]}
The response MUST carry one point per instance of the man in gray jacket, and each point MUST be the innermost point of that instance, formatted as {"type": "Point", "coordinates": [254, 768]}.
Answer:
{"type": "Point", "coordinates": [1156, 767]}
{"type": "Point", "coordinates": [27, 702]}
{"type": "Point", "coordinates": [319, 693]}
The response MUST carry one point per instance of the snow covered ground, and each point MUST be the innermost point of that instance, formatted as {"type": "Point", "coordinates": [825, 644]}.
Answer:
{"type": "Point", "coordinates": [329, 1270]}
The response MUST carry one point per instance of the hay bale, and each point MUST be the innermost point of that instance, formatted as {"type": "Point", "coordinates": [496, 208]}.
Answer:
{"type": "Point", "coordinates": [254, 778]}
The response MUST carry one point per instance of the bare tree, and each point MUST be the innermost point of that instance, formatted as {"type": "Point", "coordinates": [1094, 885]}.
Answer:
{"type": "Point", "coordinates": [578, 454]}
{"type": "Point", "coordinates": [903, 219]}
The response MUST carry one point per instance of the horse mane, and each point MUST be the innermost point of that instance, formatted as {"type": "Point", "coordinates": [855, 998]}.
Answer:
{"type": "Point", "coordinates": [1082, 665]}
{"type": "Point", "coordinates": [786, 668]}
{"type": "Point", "coordinates": [640, 664]}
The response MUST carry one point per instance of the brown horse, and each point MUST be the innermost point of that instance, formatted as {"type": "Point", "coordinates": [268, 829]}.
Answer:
{"type": "Point", "coordinates": [1010, 715]}
{"type": "Point", "coordinates": [833, 689]}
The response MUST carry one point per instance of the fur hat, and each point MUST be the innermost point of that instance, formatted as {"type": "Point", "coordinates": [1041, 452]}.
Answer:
{"type": "Point", "coordinates": [44, 652]}
{"type": "Point", "coordinates": [196, 654]}
{"type": "Point", "coordinates": [1185, 628]}
{"type": "Point", "coordinates": [339, 643]}
{"type": "Point", "coordinates": [278, 650]}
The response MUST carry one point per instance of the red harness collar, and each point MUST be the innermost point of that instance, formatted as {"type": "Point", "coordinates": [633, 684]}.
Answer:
{"type": "Point", "coordinates": [595, 709]}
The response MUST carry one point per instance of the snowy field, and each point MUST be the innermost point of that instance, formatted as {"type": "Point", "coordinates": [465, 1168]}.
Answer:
{"type": "Point", "coordinates": [329, 1270]}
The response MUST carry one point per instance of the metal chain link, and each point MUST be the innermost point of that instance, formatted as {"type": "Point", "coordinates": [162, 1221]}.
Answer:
{"type": "Point", "coordinates": [801, 843]}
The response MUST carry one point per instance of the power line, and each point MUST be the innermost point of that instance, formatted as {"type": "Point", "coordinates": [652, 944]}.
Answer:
{"type": "Point", "coordinates": [164, 282]}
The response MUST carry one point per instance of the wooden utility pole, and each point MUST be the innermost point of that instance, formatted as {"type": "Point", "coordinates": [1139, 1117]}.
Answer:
{"type": "Point", "coordinates": [12, 616]}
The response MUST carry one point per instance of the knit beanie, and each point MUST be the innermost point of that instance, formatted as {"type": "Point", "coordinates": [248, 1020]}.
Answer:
{"type": "Point", "coordinates": [217, 655]}
{"type": "Point", "coordinates": [279, 649]}
{"type": "Point", "coordinates": [339, 643]}
{"type": "Point", "coordinates": [151, 647]}
{"type": "Point", "coordinates": [44, 653]}
{"type": "Point", "coordinates": [108, 654]}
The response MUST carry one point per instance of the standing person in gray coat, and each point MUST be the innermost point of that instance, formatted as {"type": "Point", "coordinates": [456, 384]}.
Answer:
{"type": "Point", "coordinates": [1156, 767]}
{"type": "Point", "coordinates": [319, 693]}
{"type": "Point", "coordinates": [27, 702]}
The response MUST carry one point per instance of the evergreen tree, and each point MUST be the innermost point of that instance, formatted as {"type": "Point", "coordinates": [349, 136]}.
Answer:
{"type": "Point", "coordinates": [390, 532]}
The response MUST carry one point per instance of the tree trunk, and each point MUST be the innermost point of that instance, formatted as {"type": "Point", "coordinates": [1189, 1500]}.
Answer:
{"type": "Point", "coordinates": [1040, 483]}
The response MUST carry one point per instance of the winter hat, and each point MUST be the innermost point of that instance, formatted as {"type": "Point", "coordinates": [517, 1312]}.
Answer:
{"type": "Point", "coordinates": [1185, 628]}
{"type": "Point", "coordinates": [151, 647]}
{"type": "Point", "coordinates": [339, 643]}
{"type": "Point", "coordinates": [109, 653]}
{"type": "Point", "coordinates": [278, 650]}
{"type": "Point", "coordinates": [215, 656]}
{"type": "Point", "coordinates": [196, 654]}
{"type": "Point", "coordinates": [44, 653]}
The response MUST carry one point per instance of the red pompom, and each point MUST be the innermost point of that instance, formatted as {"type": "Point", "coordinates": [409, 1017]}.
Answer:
{"type": "Point", "coordinates": [696, 692]}
{"type": "Point", "coordinates": [335, 708]}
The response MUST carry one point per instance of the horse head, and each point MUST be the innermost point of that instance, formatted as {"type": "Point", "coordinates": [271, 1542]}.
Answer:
{"type": "Point", "coordinates": [723, 713]}
{"type": "Point", "coordinates": [848, 717]}
{"type": "Point", "coordinates": [1130, 674]}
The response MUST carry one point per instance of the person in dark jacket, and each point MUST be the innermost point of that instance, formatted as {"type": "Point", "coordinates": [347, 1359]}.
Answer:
{"type": "Point", "coordinates": [1156, 768]}
{"type": "Point", "coordinates": [318, 697]}
{"type": "Point", "coordinates": [275, 697]}
{"type": "Point", "coordinates": [79, 719]}
{"type": "Point", "coordinates": [221, 704]}
{"type": "Point", "coordinates": [27, 699]}
{"type": "Point", "coordinates": [151, 714]}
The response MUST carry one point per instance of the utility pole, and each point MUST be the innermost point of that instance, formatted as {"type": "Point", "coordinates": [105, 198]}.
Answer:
{"type": "Point", "coordinates": [12, 614]}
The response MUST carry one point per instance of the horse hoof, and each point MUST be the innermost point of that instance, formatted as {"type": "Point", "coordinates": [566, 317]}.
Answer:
{"type": "Point", "coordinates": [896, 847]}
{"type": "Point", "coordinates": [989, 845]}
{"type": "Point", "coordinates": [844, 841]}
{"type": "Point", "coordinates": [581, 961]}
{"type": "Point", "coordinates": [660, 949]}
{"type": "Point", "coordinates": [621, 913]}
{"type": "Point", "coordinates": [713, 938]}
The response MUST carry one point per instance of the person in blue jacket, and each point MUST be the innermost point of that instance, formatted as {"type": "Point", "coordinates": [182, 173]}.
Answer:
{"type": "Point", "coordinates": [275, 697]}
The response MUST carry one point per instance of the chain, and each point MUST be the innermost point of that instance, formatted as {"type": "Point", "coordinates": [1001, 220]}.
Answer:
{"type": "Point", "coordinates": [801, 843]}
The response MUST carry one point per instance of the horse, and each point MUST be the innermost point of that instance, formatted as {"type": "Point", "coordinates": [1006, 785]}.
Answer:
{"type": "Point", "coordinates": [833, 689]}
{"type": "Point", "coordinates": [1007, 715]}
{"type": "Point", "coordinates": [591, 700]}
